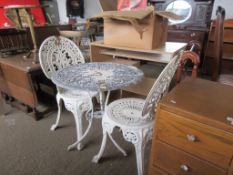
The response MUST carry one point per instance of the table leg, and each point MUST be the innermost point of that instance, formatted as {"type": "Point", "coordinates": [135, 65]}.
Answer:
{"type": "Point", "coordinates": [97, 114]}
{"type": "Point", "coordinates": [19, 19]}
{"type": "Point", "coordinates": [103, 103]}
{"type": "Point", "coordinates": [102, 100]}
{"type": "Point", "coordinates": [32, 30]}
{"type": "Point", "coordinates": [2, 105]}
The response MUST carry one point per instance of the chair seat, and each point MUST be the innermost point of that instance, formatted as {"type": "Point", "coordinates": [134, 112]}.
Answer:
{"type": "Point", "coordinates": [226, 79]}
{"type": "Point", "coordinates": [127, 112]}
{"type": "Point", "coordinates": [77, 98]}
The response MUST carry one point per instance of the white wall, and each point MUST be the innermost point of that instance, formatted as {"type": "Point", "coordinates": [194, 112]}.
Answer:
{"type": "Point", "coordinates": [227, 4]}
{"type": "Point", "coordinates": [62, 11]}
{"type": "Point", "coordinates": [91, 7]}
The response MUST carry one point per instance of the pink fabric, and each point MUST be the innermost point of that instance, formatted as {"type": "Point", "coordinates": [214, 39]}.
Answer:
{"type": "Point", "coordinates": [37, 12]}
{"type": "Point", "coordinates": [131, 5]}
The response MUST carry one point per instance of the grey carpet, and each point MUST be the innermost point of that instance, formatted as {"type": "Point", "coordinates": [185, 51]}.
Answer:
{"type": "Point", "coordinates": [28, 147]}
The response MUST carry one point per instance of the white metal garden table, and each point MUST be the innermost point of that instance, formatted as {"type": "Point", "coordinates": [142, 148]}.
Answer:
{"type": "Point", "coordinates": [97, 76]}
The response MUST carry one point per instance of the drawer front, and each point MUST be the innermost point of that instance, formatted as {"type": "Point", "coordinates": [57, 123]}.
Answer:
{"type": "Point", "coordinates": [196, 138]}
{"type": "Point", "coordinates": [156, 171]}
{"type": "Point", "coordinates": [175, 162]}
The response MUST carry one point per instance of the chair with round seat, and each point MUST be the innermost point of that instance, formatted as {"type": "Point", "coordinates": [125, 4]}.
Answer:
{"type": "Point", "coordinates": [56, 53]}
{"type": "Point", "coordinates": [135, 116]}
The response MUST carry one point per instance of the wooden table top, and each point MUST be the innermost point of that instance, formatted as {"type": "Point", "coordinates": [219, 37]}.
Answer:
{"type": "Point", "coordinates": [202, 100]}
{"type": "Point", "coordinates": [18, 62]}
{"type": "Point", "coordinates": [170, 48]}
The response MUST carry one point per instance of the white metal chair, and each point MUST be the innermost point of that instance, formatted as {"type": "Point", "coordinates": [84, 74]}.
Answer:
{"type": "Point", "coordinates": [135, 117]}
{"type": "Point", "coordinates": [56, 53]}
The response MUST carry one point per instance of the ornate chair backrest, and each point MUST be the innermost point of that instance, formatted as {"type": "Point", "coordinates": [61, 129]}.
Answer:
{"type": "Point", "coordinates": [218, 42]}
{"type": "Point", "coordinates": [57, 52]}
{"type": "Point", "coordinates": [160, 88]}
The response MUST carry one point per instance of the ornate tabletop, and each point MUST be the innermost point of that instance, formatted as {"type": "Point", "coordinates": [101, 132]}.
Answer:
{"type": "Point", "coordinates": [97, 75]}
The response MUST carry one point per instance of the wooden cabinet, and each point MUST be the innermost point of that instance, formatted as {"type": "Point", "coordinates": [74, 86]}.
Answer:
{"type": "Point", "coordinates": [227, 47]}
{"type": "Point", "coordinates": [194, 130]}
{"type": "Point", "coordinates": [19, 79]}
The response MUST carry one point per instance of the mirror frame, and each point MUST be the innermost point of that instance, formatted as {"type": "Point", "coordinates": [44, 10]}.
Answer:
{"type": "Point", "coordinates": [173, 22]}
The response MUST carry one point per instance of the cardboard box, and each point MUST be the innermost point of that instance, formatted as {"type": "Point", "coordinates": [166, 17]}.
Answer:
{"type": "Point", "coordinates": [144, 29]}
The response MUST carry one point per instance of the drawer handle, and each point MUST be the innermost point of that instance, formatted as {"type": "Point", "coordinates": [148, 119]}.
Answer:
{"type": "Point", "coordinates": [184, 168]}
{"type": "Point", "coordinates": [191, 137]}
{"type": "Point", "coordinates": [230, 120]}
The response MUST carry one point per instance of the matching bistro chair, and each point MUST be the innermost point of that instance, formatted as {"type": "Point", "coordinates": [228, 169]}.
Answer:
{"type": "Point", "coordinates": [135, 116]}
{"type": "Point", "coordinates": [56, 53]}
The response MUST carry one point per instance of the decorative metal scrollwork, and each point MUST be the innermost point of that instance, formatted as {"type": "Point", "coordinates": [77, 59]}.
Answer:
{"type": "Point", "coordinates": [57, 53]}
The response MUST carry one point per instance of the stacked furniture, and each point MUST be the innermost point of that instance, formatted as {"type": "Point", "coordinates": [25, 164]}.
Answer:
{"type": "Point", "coordinates": [19, 76]}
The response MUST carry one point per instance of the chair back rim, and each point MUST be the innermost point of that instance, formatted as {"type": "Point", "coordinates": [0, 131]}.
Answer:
{"type": "Point", "coordinates": [175, 61]}
{"type": "Point", "coordinates": [58, 38]}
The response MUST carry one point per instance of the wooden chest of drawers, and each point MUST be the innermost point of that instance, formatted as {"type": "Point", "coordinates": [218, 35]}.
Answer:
{"type": "Point", "coordinates": [194, 130]}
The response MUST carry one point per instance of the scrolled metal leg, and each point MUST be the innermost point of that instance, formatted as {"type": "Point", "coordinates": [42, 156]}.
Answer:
{"type": "Point", "coordinates": [59, 104]}
{"type": "Point", "coordinates": [102, 100]}
{"type": "Point", "coordinates": [97, 157]}
{"type": "Point", "coordinates": [117, 146]}
{"type": "Point", "coordinates": [74, 145]}
{"type": "Point", "coordinates": [139, 150]}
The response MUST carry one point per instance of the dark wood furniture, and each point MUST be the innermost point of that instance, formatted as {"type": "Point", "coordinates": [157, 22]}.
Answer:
{"type": "Point", "coordinates": [16, 79]}
{"type": "Point", "coordinates": [219, 52]}
{"type": "Point", "coordinates": [188, 56]}
{"type": "Point", "coordinates": [20, 77]}
{"type": "Point", "coordinates": [193, 132]}
{"type": "Point", "coordinates": [215, 43]}
{"type": "Point", "coordinates": [45, 31]}
{"type": "Point", "coordinates": [13, 41]}
{"type": "Point", "coordinates": [227, 42]}
{"type": "Point", "coordinates": [195, 28]}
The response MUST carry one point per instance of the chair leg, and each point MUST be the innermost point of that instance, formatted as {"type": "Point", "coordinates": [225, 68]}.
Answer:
{"type": "Point", "coordinates": [117, 146]}
{"type": "Point", "coordinates": [139, 150]}
{"type": "Point", "coordinates": [97, 157]}
{"type": "Point", "coordinates": [59, 104]}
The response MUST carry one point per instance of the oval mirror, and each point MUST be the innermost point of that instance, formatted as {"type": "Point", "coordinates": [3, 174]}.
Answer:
{"type": "Point", "coordinates": [181, 8]}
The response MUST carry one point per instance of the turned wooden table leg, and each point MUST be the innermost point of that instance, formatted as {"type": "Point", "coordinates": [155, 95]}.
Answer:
{"type": "Point", "coordinates": [2, 105]}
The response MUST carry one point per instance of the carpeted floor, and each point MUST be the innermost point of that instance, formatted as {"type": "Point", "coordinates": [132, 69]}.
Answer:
{"type": "Point", "coordinates": [28, 147]}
